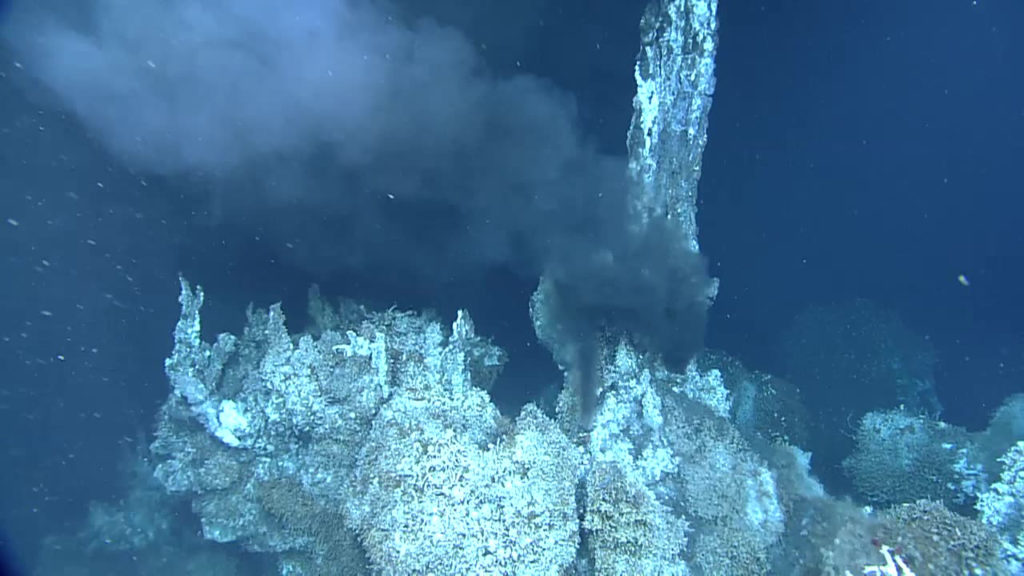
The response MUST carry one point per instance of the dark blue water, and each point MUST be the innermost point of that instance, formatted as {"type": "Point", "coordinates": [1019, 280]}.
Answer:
{"type": "Point", "coordinates": [871, 151]}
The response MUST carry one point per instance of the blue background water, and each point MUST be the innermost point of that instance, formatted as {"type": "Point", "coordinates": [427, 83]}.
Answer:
{"type": "Point", "coordinates": [863, 149]}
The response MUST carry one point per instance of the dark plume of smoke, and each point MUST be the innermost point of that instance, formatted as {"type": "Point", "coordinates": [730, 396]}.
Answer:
{"type": "Point", "coordinates": [365, 140]}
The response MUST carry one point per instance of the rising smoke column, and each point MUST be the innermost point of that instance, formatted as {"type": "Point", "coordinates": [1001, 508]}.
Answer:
{"type": "Point", "coordinates": [365, 140]}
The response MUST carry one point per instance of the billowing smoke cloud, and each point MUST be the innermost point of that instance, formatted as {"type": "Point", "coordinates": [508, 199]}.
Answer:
{"type": "Point", "coordinates": [361, 139]}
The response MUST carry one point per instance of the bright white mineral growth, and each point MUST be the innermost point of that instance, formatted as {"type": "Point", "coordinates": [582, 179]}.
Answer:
{"type": "Point", "coordinates": [232, 423]}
